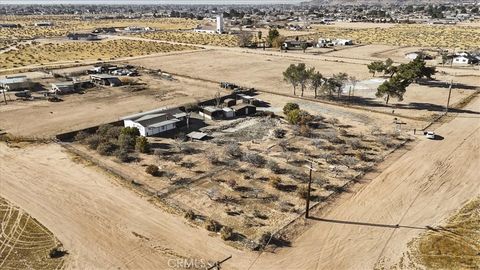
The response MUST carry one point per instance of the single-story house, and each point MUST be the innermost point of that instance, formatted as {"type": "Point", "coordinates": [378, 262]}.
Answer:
{"type": "Point", "coordinates": [212, 113]}
{"type": "Point", "coordinates": [44, 24]}
{"type": "Point", "coordinates": [244, 109]}
{"type": "Point", "coordinates": [230, 102]}
{"type": "Point", "coordinates": [156, 121]}
{"type": "Point", "coordinates": [105, 79]}
{"type": "Point", "coordinates": [83, 36]}
{"type": "Point", "coordinates": [343, 42]}
{"type": "Point", "coordinates": [464, 59]}
{"type": "Point", "coordinates": [16, 83]}
{"type": "Point", "coordinates": [292, 45]}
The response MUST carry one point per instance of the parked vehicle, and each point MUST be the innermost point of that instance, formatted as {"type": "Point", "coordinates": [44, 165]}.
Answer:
{"type": "Point", "coordinates": [430, 135]}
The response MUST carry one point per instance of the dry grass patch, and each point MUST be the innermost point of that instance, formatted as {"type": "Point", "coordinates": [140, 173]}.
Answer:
{"type": "Point", "coordinates": [71, 51]}
{"type": "Point", "coordinates": [25, 243]}
{"type": "Point", "coordinates": [456, 245]}
{"type": "Point", "coordinates": [66, 24]}
{"type": "Point", "coordinates": [194, 38]}
{"type": "Point", "coordinates": [408, 35]}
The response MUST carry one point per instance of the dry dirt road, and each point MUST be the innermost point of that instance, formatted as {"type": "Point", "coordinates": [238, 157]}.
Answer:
{"type": "Point", "coordinates": [102, 224]}
{"type": "Point", "coordinates": [422, 188]}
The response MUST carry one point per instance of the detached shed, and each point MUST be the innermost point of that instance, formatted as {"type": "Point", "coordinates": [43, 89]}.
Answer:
{"type": "Point", "coordinates": [16, 83]}
{"type": "Point", "coordinates": [105, 79]}
{"type": "Point", "coordinates": [212, 113]}
{"type": "Point", "coordinates": [62, 88]}
{"type": "Point", "coordinates": [228, 112]}
{"type": "Point", "coordinates": [195, 135]}
{"type": "Point", "coordinates": [244, 109]}
{"type": "Point", "coordinates": [229, 102]}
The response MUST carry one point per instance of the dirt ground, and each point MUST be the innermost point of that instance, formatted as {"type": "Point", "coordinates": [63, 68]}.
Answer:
{"type": "Point", "coordinates": [422, 188]}
{"type": "Point", "coordinates": [40, 118]}
{"type": "Point", "coordinates": [264, 72]}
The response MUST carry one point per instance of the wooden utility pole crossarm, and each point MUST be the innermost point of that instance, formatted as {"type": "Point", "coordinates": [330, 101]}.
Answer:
{"type": "Point", "coordinates": [217, 265]}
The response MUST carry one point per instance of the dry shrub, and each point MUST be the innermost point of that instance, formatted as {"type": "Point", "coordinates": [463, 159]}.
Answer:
{"type": "Point", "coordinates": [226, 233]}
{"type": "Point", "coordinates": [302, 192]}
{"type": "Point", "coordinates": [106, 148]}
{"type": "Point", "coordinates": [211, 225]}
{"type": "Point", "coordinates": [233, 150]}
{"type": "Point", "coordinates": [275, 182]}
{"type": "Point", "coordinates": [274, 167]}
{"type": "Point", "coordinates": [190, 215]}
{"type": "Point", "coordinates": [232, 183]}
{"type": "Point", "coordinates": [254, 159]}
{"type": "Point", "coordinates": [152, 169]}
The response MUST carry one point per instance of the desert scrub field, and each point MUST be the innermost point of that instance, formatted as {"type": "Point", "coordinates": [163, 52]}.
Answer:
{"type": "Point", "coordinates": [194, 38]}
{"type": "Point", "coordinates": [250, 177]}
{"type": "Point", "coordinates": [72, 51]}
{"type": "Point", "coordinates": [67, 24]}
{"type": "Point", "coordinates": [460, 37]}
{"type": "Point", "coordinates": [25, 243]}
{"type": "Point", "coordinates": [455, 245]}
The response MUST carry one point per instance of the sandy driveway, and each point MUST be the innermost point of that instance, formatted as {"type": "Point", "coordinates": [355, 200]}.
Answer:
{"type": "Point", "coordinates": [102, 224]}
{"type": "Point", "coordinates": [422, 188]}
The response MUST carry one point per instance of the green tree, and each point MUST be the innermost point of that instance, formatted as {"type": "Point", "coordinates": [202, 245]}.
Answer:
{"type": "Point", "coordinates": [291, 76]}
{"type": "Point", "coordinates": [393, 87]}
{"type": "Point", "coordinates": [304, 76]}
{"type": "Point", "coordinates": [142, 145]}
{"type": "Point", "coordinates": [132, 131]}
{"type": "Point", "coordinates": [273, 34]}
{"type": "Point", "coordinates": [339, 80]}
{"type": "Point", "coordinates": [304, 46]}
{"type": "Point", "coordinates": [290, 107]}
{"type": "Point", "coordinates": [376, 66]}
{"type": "Point", "coordinates": [126, 141]}
{"type": "Point", "coordinates": [316, 82]}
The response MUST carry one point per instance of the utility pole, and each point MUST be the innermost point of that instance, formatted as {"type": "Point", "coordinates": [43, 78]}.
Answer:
{"type": "Point", "coordinates": [217, 265]}
{"type": "Point", "coordinates": [4, 96]}
{"type": "Point", "coordinates": [449, 94]}
{"type": "Point", "coordinates": [307, 204]}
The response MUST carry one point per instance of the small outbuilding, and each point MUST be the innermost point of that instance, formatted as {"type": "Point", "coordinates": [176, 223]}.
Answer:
{"type": "Point", "coordinates": [105, 79]}
{"type": "Point", "coordinates": [62, 88]}
{"type": "Point", "coordinates": [230, 102]}
{"type": "Point", "coordinates": [212, 113]}
{"type": "Point", "coordinates": [16, 83]}
{"type": "Point", "coordinates": [244, 109]}
{"type": "Point", "coordinates": [156, 121]}
{"type": "Point", "coordinates": [198, 136]}
{"type": "Point", "coordinates": [228, 112]}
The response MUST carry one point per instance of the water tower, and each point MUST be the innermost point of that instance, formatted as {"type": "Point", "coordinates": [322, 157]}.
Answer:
{"type": "Point", "coordinates": [220, 23]}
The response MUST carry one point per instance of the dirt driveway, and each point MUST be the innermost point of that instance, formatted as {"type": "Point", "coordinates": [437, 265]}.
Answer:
{"type": "Point", "coordinates": [424, 187]}
{"type": "Point", "coordinates": [102, 224]}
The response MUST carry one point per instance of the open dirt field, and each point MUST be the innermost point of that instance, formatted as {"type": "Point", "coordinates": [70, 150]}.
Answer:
{"type": "Point", "coordinates": [264, 72]}
{"type": "Point", "coordinates": [101, 223]}
{"type": "Point", "coordinates": [24, 242]}
{"type": "Point", "coordinates": [422, 188]}
{"type": "Point", "coordinates": [98, 217]}
{"type": "Point", "coordinates": [40, 118]}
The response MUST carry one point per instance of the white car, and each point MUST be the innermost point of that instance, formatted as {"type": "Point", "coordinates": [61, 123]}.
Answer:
{"type": "Point", "coordinates": [430, 135]}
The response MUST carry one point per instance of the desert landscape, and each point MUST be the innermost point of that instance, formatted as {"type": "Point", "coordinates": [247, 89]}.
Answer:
{"type": "Point", "coordinates": [172, 147]}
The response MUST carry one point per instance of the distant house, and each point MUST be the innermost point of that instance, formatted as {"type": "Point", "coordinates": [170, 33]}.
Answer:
{"type": "Point", "coordinates": [324, 42]}
{"type": "Point", "coordinates": [246, 99]}
{"type": "Point", "coordinates": [10, 25]}
{"type": "Point", "coordinates": [464, 59]}
{"type": "Point", "coordinates": [343, 42]}
{"type": "Point", "coordinates": [83, 36]}
{"type": "Point", "coordinates": [244, 109]}
{"type": "Point", "coordinates": [62, 88]}
{"type": "Point", "coordinates": [292, 45]}
{"type": "Point", "coordinates": [16, 83]}
{"type": "Point", "coordinates": [44, 24]}
{"type": "Point", "coordinates": [412, 55]}
{"type": "Point", "coordinates": [105, 79]}
{"type": "Point", "coordinates": [105, 30]}
{"type": "Point", "coordinates": [156, 121]}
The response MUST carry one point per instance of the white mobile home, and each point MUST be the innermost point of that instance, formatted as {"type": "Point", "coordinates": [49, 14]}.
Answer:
{"type": "Point", "coordinates": [156, 121]}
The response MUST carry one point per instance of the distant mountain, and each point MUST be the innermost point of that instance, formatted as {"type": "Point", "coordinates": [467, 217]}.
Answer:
{"type": "Point", "coordinates": [379, 2]}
